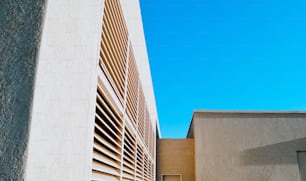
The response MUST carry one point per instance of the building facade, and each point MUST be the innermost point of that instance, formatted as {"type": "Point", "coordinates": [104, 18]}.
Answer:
{"type": "Point", "coordinates": [239, 146]}
{"type": "Point", "coordinates": [77, 103]}
{"type": "Point", "coordinates": [93, 113]}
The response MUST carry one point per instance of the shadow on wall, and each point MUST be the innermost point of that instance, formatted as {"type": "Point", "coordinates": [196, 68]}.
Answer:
{"type": "Point", "coordinates": [275, 154]}
{"type": "Point", "coordinates": [20, 31]}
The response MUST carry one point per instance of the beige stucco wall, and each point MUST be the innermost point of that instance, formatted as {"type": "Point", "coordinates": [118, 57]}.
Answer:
{"type": "Point", "coordinates": [253, 146]}
{"type": "Point", "coordinates": [175, 156]}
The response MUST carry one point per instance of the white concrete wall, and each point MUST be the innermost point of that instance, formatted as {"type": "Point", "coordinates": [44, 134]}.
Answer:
{"type": "Point", "coordinates": [61, 134]}
{"type": "Point", "coordinates": [250, 146]}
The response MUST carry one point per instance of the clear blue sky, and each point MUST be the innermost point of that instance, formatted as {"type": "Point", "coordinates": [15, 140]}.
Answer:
{"type": "Point", "coordinates": [224, 55]}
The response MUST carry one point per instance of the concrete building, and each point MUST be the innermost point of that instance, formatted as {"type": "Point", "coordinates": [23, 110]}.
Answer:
{"type": "Point", "coordinates": [90, 113]}
{"type": "Point", "coordinates": [77, 104]}
{"type": "Point", "coordinates": [238, 146]}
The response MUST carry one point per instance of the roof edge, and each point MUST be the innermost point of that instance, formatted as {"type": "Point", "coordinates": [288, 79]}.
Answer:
{"type": "Point", "coordinates": [246, 112]}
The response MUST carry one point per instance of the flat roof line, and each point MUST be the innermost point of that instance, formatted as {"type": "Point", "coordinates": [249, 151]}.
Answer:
{"type": "Point", "coordinates": [248, 111]}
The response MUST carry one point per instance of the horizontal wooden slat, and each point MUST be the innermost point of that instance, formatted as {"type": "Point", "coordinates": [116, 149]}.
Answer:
{"type": "Point", "coordinates": [104, 168]}
{"type": "Point", "coordinates": [108, 136]}
{"type": "Point", "coordinates": [108, 106]}
{"type": "Point", "coordinates": [97, 176]}
{"type": "Point", "coordinates": [106, 144]}
{"type": "Point", "coordinates": [107, 152]}
{"type": "Point", "coordinates": [106, 160]}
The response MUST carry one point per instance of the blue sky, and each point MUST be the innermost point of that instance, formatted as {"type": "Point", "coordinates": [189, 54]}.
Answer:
{"type": "Point", "coordinates": [224, 55]}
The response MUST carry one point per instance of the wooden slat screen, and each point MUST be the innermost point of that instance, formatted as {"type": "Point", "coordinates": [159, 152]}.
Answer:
{"type": "Point", "coordinates": [146, 168]}
{"type": "Point", "coordinates": [129, 155]}
{"type": "Point", "coordinates": [114, 46]}
{"type": "Point", "coordinates": [140, 163]}
{"type": "Point", "coordinates": [146, 126]}
{"type": "Point", "coordinates": [107, 139]}
{"type": "Point", "coordinates": [124, 138]}
{"type": "Point", "coordinates": [132, 88]}
{"type": "Point", "coordinates": [141, 113]}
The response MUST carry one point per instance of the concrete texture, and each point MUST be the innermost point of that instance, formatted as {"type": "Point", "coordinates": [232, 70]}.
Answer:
{"type": "Point", "coordinates": [61, 139]}
{"type": "Point", "coordinates": [175, 157]}
{"type": "Point", "coordinates": [249, 146]}
{"type": "Point", "coordinates": [301, 157]}
{"type": "Point", "coordinates": [20, 30]}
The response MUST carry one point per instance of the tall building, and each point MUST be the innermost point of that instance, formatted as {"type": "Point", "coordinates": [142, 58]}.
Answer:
{"type": "Point", "coordinates": [93, 113]}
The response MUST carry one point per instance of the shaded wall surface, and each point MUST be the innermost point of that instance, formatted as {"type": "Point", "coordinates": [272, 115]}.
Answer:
{"type": "Point", "coordinates": [249, 146]}
{"type": "Point", "coordinates": [20, 29]}
{"type": "Point", "coordinates": [175, 157]}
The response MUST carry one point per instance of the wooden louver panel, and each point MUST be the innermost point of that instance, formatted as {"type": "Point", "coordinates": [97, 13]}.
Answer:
{"type": "Point", "coordinates": [140, 163]}
{"type": "Point", "coordinates": [149, 170]}
{"type": "Point", "coordinates": [141, 113]}
{"type": "Point", "coordinates": [150, 139]}
{"type": "Point", "coordinates": [114, 45]}
{"type": "Point", "coordinates": [118, 154]}
{"type": "Point", "coordinates": [152, 171]}
{"type": "Point", "coordinates": [107, 140]}
{"type": "Point", "coordinates": [146, 168]}
{"type": "Point", "coordinates": [132, 88]}
{"type": "Point", "coordinates": [129, 155]}
{"type": "Point", "coordinates": [147, 123]}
